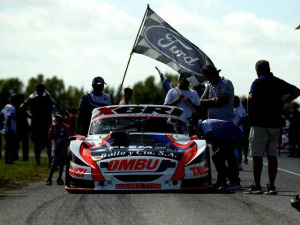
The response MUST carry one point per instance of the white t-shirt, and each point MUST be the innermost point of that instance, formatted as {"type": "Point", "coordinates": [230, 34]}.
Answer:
{"type": "Point", "coordinates": [188, 94]}
{"type": "Point", "coordinates": [239, 113]}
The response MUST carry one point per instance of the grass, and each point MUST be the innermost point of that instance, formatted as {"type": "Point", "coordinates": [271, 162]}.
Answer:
{"type": "Point", "coordinates": [19, 174]}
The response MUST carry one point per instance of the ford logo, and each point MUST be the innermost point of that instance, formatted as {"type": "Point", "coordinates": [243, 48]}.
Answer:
{"type": "Point", "coordinates": [176, 48]}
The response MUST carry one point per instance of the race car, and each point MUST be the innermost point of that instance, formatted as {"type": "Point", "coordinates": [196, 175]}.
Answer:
{"type": "Point", "coordinates": [137, 147]}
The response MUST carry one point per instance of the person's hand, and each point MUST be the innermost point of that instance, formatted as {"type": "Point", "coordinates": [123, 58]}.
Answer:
{"type": "Point", "coordinates": [180, 96]}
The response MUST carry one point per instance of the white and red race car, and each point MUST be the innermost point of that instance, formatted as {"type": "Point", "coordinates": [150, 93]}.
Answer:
{"type": "Point", "coordinates": [137, 147]}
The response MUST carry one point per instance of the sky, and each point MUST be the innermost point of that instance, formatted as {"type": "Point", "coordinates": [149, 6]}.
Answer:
{"type": "Point", "coordinates": [77, 40]}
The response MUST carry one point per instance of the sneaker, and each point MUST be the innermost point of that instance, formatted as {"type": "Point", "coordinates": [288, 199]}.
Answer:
{"type": "Point", "coordinates": [245, 161]}
{"type": "Point", "coordinates": [219, 185]}
{"type": "Point", "coordinates": [270, 190]}
{"type": "Point", "coordinates": [48, 182]}
{"type": "Point", "coordinates": [60, 182]}
{"type": "Point", "coordinates": [231, 187]}
{"type": "Point", "coordinates": [254, 190]}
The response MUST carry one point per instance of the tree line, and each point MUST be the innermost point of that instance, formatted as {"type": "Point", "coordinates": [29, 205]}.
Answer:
{"type": "Point", "coordinates": [149, 91]}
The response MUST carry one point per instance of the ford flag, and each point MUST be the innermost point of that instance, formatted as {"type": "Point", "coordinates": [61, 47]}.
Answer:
{"type": "Point", "coordinates": [160, 41]}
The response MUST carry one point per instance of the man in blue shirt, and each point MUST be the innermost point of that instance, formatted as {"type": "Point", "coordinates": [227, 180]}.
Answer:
{"type": "Point", "coordinates": [265, 103]}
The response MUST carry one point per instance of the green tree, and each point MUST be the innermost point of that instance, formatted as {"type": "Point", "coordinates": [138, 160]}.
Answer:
{"type": "Point", "coordinates": [7, 88]}
{"type": "Point", "coordinates": [66, 99]}
{"type": "Point", "coordinates": [32, 83]}
{"type": "Point", "coordinates": [148, 92]}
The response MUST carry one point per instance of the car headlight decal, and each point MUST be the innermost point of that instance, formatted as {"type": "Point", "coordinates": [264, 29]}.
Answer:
{"type": "Point", "coordinates": [86, 155]}
{"type": "Point", "coordinates": [187, 157]}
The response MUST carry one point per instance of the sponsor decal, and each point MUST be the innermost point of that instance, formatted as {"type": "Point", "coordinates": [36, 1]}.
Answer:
{"type": "Point", "coordinates": [138, 186]}
{"type": "Point", "coordinates": [175, 47]}
{"type": "Point", "coordinates": [135, 152]}
{"type": "Point", "coordinates": [133, 164]}
{"type": "Point", "coordinates": [164, 110]}
{"type": "Point", "coordinates": [77, 171]}
{"type": "Point", "coordinates": [199, 170]}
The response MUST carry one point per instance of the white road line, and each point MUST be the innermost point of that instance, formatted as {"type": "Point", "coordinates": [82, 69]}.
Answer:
{"type": "Point", "coordinates": [287, 171]}
{"type": "Point", "coordinates": [283, 170]}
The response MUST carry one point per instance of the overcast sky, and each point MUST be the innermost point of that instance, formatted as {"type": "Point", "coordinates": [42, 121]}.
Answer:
{"type": "Point", "coordinates": [77, 40]}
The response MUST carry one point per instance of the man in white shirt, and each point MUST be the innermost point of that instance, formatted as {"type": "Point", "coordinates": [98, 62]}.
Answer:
{"type": "Point", "coordinates": [183, 97]}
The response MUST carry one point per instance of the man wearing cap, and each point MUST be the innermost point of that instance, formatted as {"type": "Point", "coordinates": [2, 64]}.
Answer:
{"type": "Point", "coordinates": [183, 97]}
{"type": "Point", "coordinates": [218, 95]}
{"type": "Point", "coordinates": [95, 98]}
{"type": "Point", "coordinates": [265, 103]}
{"type": "Point", "coordinates": [218, 99]}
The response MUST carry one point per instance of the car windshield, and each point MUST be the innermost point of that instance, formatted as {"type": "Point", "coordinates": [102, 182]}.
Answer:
{"type": "Point", "coordinates": [138, 124]}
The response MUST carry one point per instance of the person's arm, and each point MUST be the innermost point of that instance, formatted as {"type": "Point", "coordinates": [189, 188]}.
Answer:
{"type": "Point", "coordinates": [171, 98]}
{"type": "Point", "coordinates": [219, 100]}
{"type": "Point", "coordinates": [216, 101]}
{"type": "Point", "coordinates": [251, 106]}
{"type": "Point", "coordinates": [80, 116]}
{"type": "Point", "coordinates": [1, 120]}
{"type": "Point", "coordinates": [176, 101]}
{"type": "Point", "coordinates": [295, 94]}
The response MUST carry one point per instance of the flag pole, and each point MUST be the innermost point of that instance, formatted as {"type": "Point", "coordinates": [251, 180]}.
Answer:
{"type": "Point", "coordinates": [136, 39]}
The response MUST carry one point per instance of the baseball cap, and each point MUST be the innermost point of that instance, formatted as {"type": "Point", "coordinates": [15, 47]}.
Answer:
{"type": "Point", "coordinates": [184, 75]}
{"type": "Point", "coordinates": [98, 80]}
{"type": "Point", "coordinates": [210, 69]}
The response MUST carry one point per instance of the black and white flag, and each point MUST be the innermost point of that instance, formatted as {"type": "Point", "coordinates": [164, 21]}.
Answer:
{"type": "Point", "coordinates": [163, 43]}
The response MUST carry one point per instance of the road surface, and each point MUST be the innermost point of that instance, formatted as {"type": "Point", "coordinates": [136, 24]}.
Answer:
{"type": "Point", "coordinates": [41, 204]}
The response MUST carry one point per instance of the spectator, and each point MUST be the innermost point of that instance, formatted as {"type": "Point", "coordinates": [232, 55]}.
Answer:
{"type": "Point", "coordinates": [1, 127]}
{"type": "Point", "coordinates": [218, 100]}
{"type": "Point", "coordinates": [264, 109]}
{"type": "Point", "coordinates": [71, 121]}
{"type": "Point", "coordinates": [8, 115]}
{"type": "Point", "coordinates": [246, 129]}
{"type": "Point", "coordinates": [294, 132]}
{"type": "Point", "coordinates": [225, 136]}
{"type": "Point", "coordinates": [183, 97]}
{"type": "Point", "coordinates": [58, 133]}
{"type": "Point", "coordinates": [218, 95]}
{"type": "Point", "coordinates": [95, 98]}
{"type": "Point", "coordinates": [23, 130]}
{"type": "Point", "coordinates": [41, 106]}
{"type": "Point", "coordinates": [238, 119]}
{"type": "Point", "coordinates": [127, 96]}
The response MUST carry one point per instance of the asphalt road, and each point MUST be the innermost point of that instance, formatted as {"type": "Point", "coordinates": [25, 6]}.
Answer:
{"type": "Point", "coordinates": [41, 204]}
